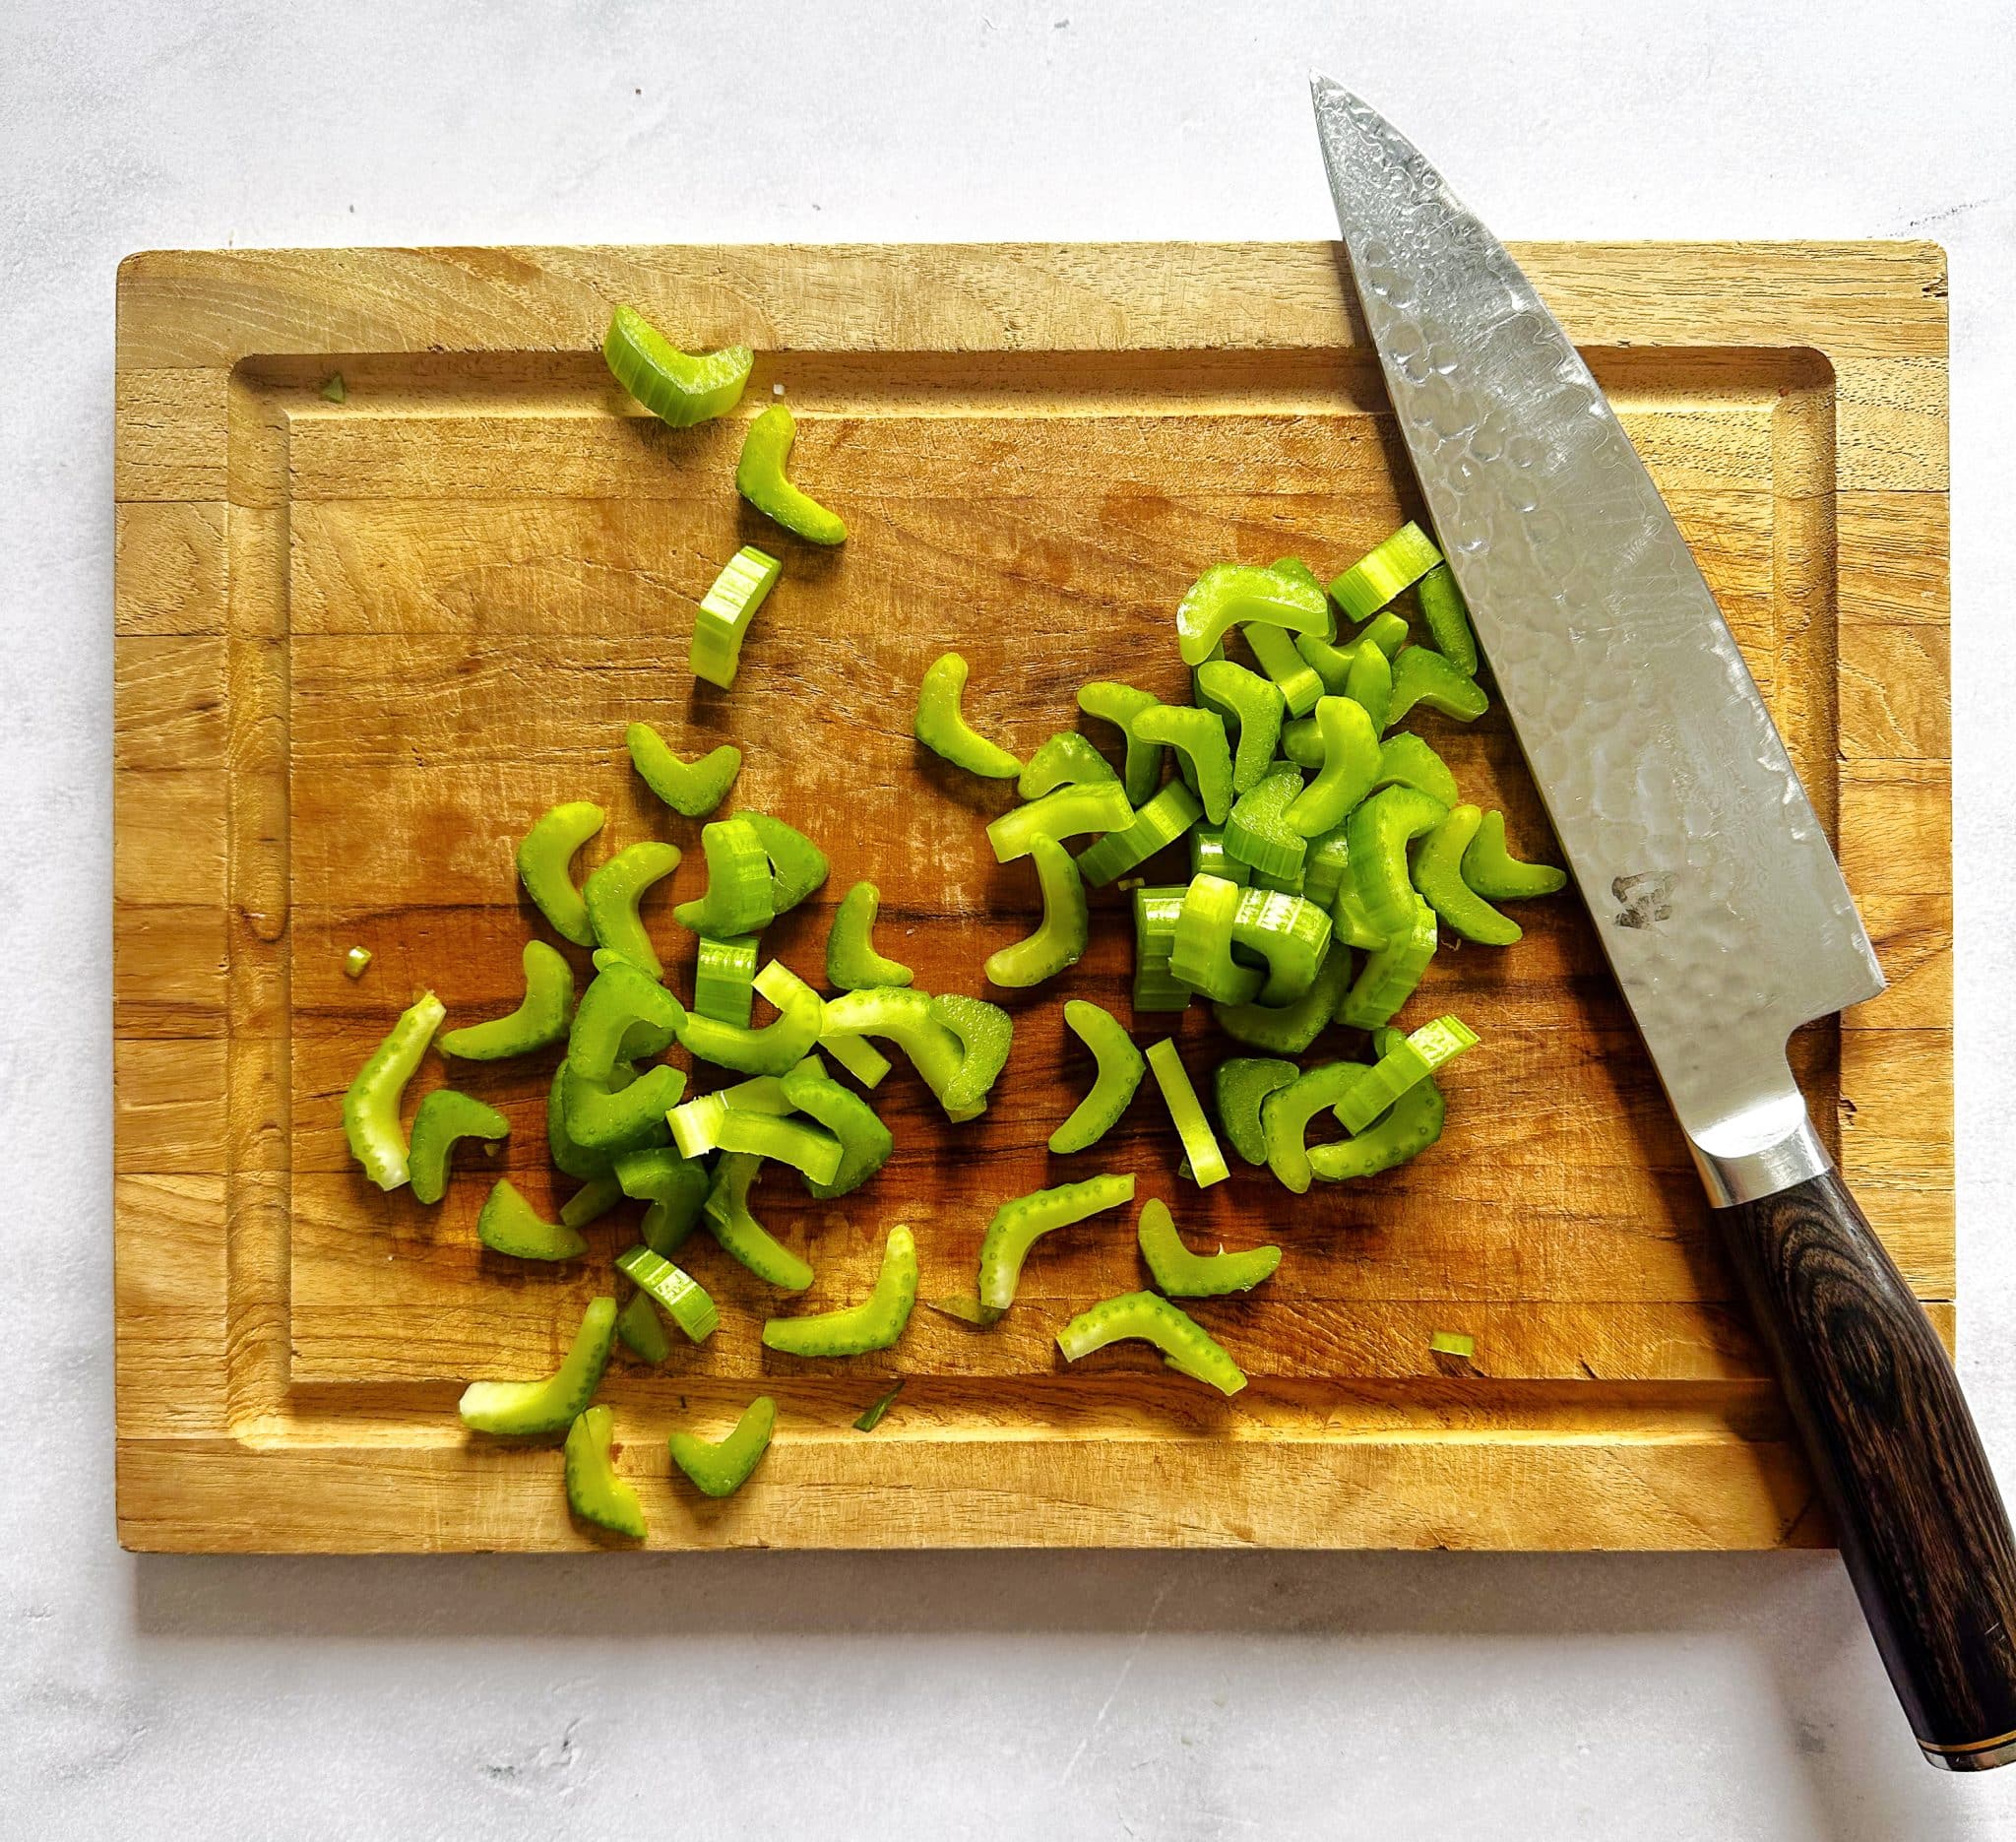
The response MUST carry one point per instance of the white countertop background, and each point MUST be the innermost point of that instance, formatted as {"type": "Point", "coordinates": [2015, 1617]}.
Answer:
{"type": "Point", "coordinates": [932, 1696]}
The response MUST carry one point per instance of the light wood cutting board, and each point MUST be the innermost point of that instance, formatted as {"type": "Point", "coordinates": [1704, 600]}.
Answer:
{"type": "Point", "coordinates": [361, 645]}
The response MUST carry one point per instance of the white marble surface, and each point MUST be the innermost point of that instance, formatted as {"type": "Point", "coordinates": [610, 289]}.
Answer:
{"type": "Point", "coordinates": [1144, 1695]}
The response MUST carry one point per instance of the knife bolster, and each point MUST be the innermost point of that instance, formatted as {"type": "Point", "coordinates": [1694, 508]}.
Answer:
{"type": "Point", "coordinates": [1770, 1146]}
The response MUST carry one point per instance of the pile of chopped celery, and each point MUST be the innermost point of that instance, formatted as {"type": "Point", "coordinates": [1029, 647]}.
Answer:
{"type": "Point", "coordinates": [1327, 850]}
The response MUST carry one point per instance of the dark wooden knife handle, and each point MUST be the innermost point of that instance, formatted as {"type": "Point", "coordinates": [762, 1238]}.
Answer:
{"type": "Point", "coordinates": [1921, 1523]}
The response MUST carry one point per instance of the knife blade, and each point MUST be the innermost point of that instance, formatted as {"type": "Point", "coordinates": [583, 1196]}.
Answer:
{"type": "Point", "coordinates": [1717, 899]}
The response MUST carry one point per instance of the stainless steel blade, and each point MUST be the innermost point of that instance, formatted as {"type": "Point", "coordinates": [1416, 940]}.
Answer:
{"type": "Point", "coordinates": [1715, 896]}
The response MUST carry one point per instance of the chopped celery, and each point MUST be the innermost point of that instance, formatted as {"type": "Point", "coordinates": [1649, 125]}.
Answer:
{"type": "Point", "coordinates": [1200, 1145]}
{"type": "Point", "coordinates": [1241, 1084]}
{"type": "Point", "coordinates": [508, 1224]}
{"type": "Point", "coordinates": [623, 1015]}
{"type": "Point", "coordinates": [858, 1056]}
{"type": "Point", "coordinates": [1409, 1061]}
{"type": "Point", "coordinates": [674, 386]}
{"type": "Point", "coordinates": [1070, 811]}
{"type": "Point", "coordinates": [725, 978]}
{"type": "Point", "coordinates": [720, 1467]}
{"type": "Point", "coordinates": [692, 788]}
{"type": "Point", "coordinates": [612, 892]}
{"type": "Point", "coordinates": [444, 1117]}
{"type": "Point", "coordinates": [1120, 1068]}
{"type": "Point", "coordinates": [540, 1018]}
{"type": "Point", "coordinates": [741, 1235]}
{"type": "Point", "coordinates": [1452, 1343]}
{"type": "Point", "coordinates": [1284, 1116]}
{"type": "Point", "coordinates": [1351, 762]}
{"type": "Point", "coordinates": [1391, 974]}
{"type": "Point", "coordinates": [1201, 954]}
{"type": "Point", "coordinates": [641, 1331]}
{"type": "Point", "coordinates": [1017, 1226]}
{"type": "Point", "coordinates": [1289, 1029]}
{"type": "Point", "coordinates": [1495, 874]}
{"type": "Point", "coordinates": [1281, 658]}
{"type": "Point", "coordinates": [370, 1105]}
{"type": "Point", "coordinates": [1120, 704]}
{"type": "Point", "coordinates": [1198, 737]}
{"type": "Point", "coordinates": [874, 1324]}
{"type": "Point", "coordinates": [605, 1119]}
{"type": "Point", "coordinates": [1421, 676]}
{"type": "Point", "coordinates": [985, 1032]}
{"type": "Point", "coordinates": [851, 961]}
{"type": "Point", "coordinates": [1448, 620]}
{"type": "Point", "coordinates": [797, 865]}
{"type": "Point", "coordinates": [805, 1148]}
{"type": "Point", "coordinates": [518, 1408]}
{"type": "Point", "coordinates": [1182, 1274]}
{"type": "Point", "coordinates": [544, 854]}
{"type": "Point", "coordinates": [674, 1185]}
{"type": "Point", "coordinates": [1208, 858]}
{"type": "Point", "coordinates": [1291, 933]}
{"type": "Point", "coordinates": [1405, 760]}
{"type": "Point", "coordinates": [1160, 822]}
{"type": "Point", "coordinates": [1439, 876]}
{"type": "Point", "coordinates": [903, 1014]}
{"type": "Point", "coordinates": [1185, 1345]}
{"type": "Point", "coordinates": [1258, 833]}
{"type": "Point", "coordinates": [355, 961]}
{"type": "Point", "coordinates": [942, 727]}
{"type": "Point", "coordinates": [773, 1049]}
{"type": "Point", "coordinates": [722, 622]}
{"type": "Point", "coordinates": [683, 1298]}
{"type": "Point", "coordinates": [740, 897]}
{"type": "Point", "coordinates": [865, 1142]}
{"type": "Point", "coordinates": [591, 1201]}
{"type": "Point", "coordinates": [1066, 929]}
{"type": "Point", "coordinates": [1252, 704]}
{"type": "Point", "coordinates": [1234, 593]}
{"type": "Point", "coordinates": [1379, 832]}
{"type": "Point", "coordinates": [871, 1415]}
{"type": "Point", "coordinates": [1378, 576]}
{"type": "Point", "coordinates": [1156, 915]}
{"type": "Point", "coordinates": [760, 478]}
{"type": "Point", "coordinates": [1370, 683]}
{"type": "Point", "coordinates": [1066, 759]}
{"type": "Point", "coordinates": [1414, 1123]}
{"type": "Point", "coordinates": [595, 1492]}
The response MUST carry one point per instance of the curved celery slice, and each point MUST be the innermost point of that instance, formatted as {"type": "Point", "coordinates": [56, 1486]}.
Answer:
{"type": "Point", "coordinates": [1405, 760]}
{"type": "Point", "coordinates": [1258, 834]}
{"type": "Point", "coordinates": [865, 1142]}
{"type": "Point", "coordinates": [857, 1055]}
{"type": "Point", "coordinates": [1379, 575]}
{"type": "Point", "coordinates": [1065, 759]}
{"type": "Point", "coordinates": [692, 788]}
{"type": "Point", "coordinates": [370, 1105]}
{"type": "Point", "coordinates": [902, 1015]}
{"type": "Point", "coordinates": [1291, 933]}
{"type": "Point", "coordinates": [873, 1324]}
{"type": "Point", "coordinates": [1298, 571]}
{"type": "Point", "coordinates": [674, 386]}
{"type": "Point", "coordinates": [1064, 933]}
{"type": "Point", "coordinates": [1300, 743]}
{"type": "Point", "coordinates": [1332, 666]}
{"type": "Point", "coordinates": [1284, 1116]}
{"type": "Point", "coordinates": [1327, 867]}
{"type": "Point", "coordinates": [1414, 1123]}
{"type": "Point", "coordinates": [590, 1203]}
{"type": "Point", "coordinates": [1368, 683]}
{"type": "Point", "coordinates": [797, 865]}
{"type": "Point", "coordinates": [985, 1032]}
{"type": "Point", "coordinates": [684, 1299]}
{"type": "Point", "coordinates": [1379, 832]}
{"type": "Point", "coordinates": [1201, 953]}
{"type": "Point", "coordinates": [941, 725]}
{"type": "Point", "coordinates": [720, 1467]}
{"type": "Point", "coordinates": [740, 895]}
{"type": "Point", "coordinates": [1070, 811]}
{"type": "Point", "coordinates": [576, 1161]}
{"type": "Point", "coordinates": [805, 1148]}
{"type": "Point", "coordinates": [1421, 676]}
{"type": "Point", "coordinates": [623, 1016]}
{"type": "Point", "coordinates": [1208, 858]}
{"type": "Point", "coordinates": [1160, 822]}
{"type": "Point", "coordinates": [675, 1186]}
{"type": "Point", "coordinates": [741, 1235]}
{"type": "Point", "coordinates": [1494, 873]}
{"type": "Point", "coordinates": [540, 1018]}
{"type": "Point", "coordinates": [1409, 1061]}
{"type": "Point", "coordinates": [1280, 656]}
{"type": "Point", "coordinates": [1200, 1145]}
{"type": "Point", "coordinates": [1438, 876]}
{"type": "Point", "coordinates": [611, 894]}
{"type": "Point", "coordinates": [1156, 913]}
{"type": "Point", "coordinates": [851, 961]}
{"type": "Point", "coordinates": [1448, 620]}
{"type": "Point", "coordinates": [444, 1117]}
{"type": "Point", "coordinates": [1234, 593]}
{"type": "Point", "coordinates": [760, 478]}
{"type": "Point", "coordinates": [355, 961]}
{"type": "Point", "coordinates": [773, 1049]}
{"type": "Point", "coordinates": [528, 1407]}
{"type": "Point", "coordinates": [1241, 1085]}
{"type": "Point", "coordinates": [508, 1224]}
{"type": "Point", "coordinates": [544, 854]}
{"type": "Point", "coordinates": [1387, 631]}
{"type": "Point", "coordinates": [1017, 1226]}
{"type": "Point", "coordinates": [1251, 703]}
{"type": "Point", "coordinates": [725, 978]}
{"type": "Point", "coordinates": [1351, 763]}
{"type": "Point", "coordinates": [642, 1331]}
{"type": "Point", "coordinates": [721, 620]}
{"type": "Point", "coordinates": [603, 1118]}
{"type": "Point", "coordinates": [1119, 704]}
{"type": "Point", "coordinates": [595, 1492]}
{"type": "Point", "coordinates": [1391, 974]}
{"type": "Point", "coordinates": [1289, 1029]}
{"type": "Point", "coordinates": [1185, 1345]}
{"type": "Point", "coordinates": [1182, 1274]}
{"type": "Point", "coordinates": [1198, 736]}
{"type": "Point", "coordinates": [1120, 1068]}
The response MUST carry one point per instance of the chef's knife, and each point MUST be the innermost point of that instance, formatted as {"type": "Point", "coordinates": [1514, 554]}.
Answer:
{"type": "Point", "coordinates": [1714, 892]}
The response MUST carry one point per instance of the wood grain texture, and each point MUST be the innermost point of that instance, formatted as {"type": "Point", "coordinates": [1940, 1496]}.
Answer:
{"type": "Point", "coordinates": [360, 647]}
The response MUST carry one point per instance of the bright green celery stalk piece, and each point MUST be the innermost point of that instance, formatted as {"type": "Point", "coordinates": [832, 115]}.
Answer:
{"type": "Point", "coordinates": [1369, 683]}
{"type": "Point", "coordinates": [683, 1298]}
{"type": "Point", "coordinates": [725, 978]}
{"type": "Point", "coordinates": [874, 1324]}
{"type": "Point", "coordinates": [1379, 832]}
{"type": "Point", "coordinates": [692, 788]}
{"type": "Point", "coordinates": [355, 961]}
{"type": "Point", "coordinates": [760, 478]}
{"type": "Point", "coordinates": [1421, 676]}
{"type": "Point", "coordinates": [865, 1142]}
{"type": "Point", "coordinates": [1068, 812]}
{"type": "Point", "coordinates": [696, 1122]}
{"type": "Point", "coordinates": [805, 1148]}
{"type": "Point", "coordinates": [591, 1201]}
{"type": "Point", "coordinates": [1494, 873]}
{"type": "Point", "coordinates": [797, 865]}
{"type": "Point", "coordinates": [623, 1015]}
{"type": "Point", "coordinates": [642, 1331]}
{"type": "Point", "coordinates": [741, 897]}
{"type": "Point", "coordinates": [740, 1236]}
{"type": "Point", "coordinates": [1405, 760]}
{"type": "Point", "coordinates": [1291, 933]}
{"type": "Point", "coordinates": [1241, 1085]}
{"type": "Point", "coordinates": [1208, 858]}
{"type": "Point", "coordinates": [1201, 954]}
{"type": "Point", "coordinates": [1185, 1345]}
{"type": "Point", "coordinates": [1414, 1123]}
{"type": "Point", "coordinates": [852, 962]}
{"type": "Point", "coordinates": [1448, 620]}
{"type": "Point", "coordinates": [1198, 736]}
{"type": "Point", "coordinates": [1351, 763]}
{"type": "Point", "coordinates": [1160, 822]}
{"type": "Point", "coordinates": [444, 1117]}
{"type": "Point", "coordinates": [370, 1106]}
{"type": "Point", "coordinates": [531, 1407]}
{"type": "Point", "coordinates": [676, 1188]}
{"type": "Point", "coordinates": [1119, 704]}
{"type": "Point", "coordinates": [721, 622]}
{"type": "Point", "coordinates": [1391, 974]}
{"type": "Point", "coordinates": [508, 1224]}
{"type": "Point", "coordinates": [544, 854]}
{"type": "Point", "coordinates": [1235, 594]}
{"type": "Point", "coordinates": [589, 1161]}
{"type": "Point", "coordinates": [1439, 876]}
{"type": "Point", "coordinates": [674, 386]}
{"type": "Point", "coordinates": [1065, 933]}
{"type": "Point", "coordinates": [1251, 704]}
{"type": "Point", "coordinates": [1409, 1061]}
{"type": "Point", "coordinates": [985, 1032]}
{"type": "Point", "coordinates": [595, 1492]}
{"type": "Point", "coordinates": [1399, 562]}
{"type": "Point", "coordinates": [1120, 1068]}
{"type": "Point", "coordinates": [1285, 1117]}
{"type": "Point", "coordinates": [601, 1118]}
{"type": "Point", "coordinates": [857, 1055]}
{"type": "Point", "coordinates": [720, 1467]}
{"type": "Point", "coordinates": [871, 1415]}
{"type": "Point", "coordinates": [1156, 915]}
{"type": "Point", "coordinates": [539, 1020]}
{"type": "Point", "coordinates": [1387, 631]}
{"type": "Point", "coordinates": [1279, 654]}
{"type": "Point", "coordinates": [776, 1047]}
{"type": "Point", "coordinates": [612, 892]}
{"type": "Point", "coordinates": [902, 1015]}
{"type": "Point", "coordinates": [1258, 832]}
{"type": "Point", "coordinates": [941, 724]}
{"type": "Point", "coordinates": [1326, 867]}
{"type": "Point", "coordinates": [1182, 1274]}
{"type": "Point", "coordinates": [1200, 1144]}
{"type": "Point", "coordinates": [1018, 1223]}
{"type": "Point", "coordinates": [1289, 1029]}
{"type": "Point", "coordinates": [1065, 759]}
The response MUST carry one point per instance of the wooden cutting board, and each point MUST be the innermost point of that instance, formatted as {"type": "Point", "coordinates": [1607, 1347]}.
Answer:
{"type": "Point", "coordinates": [362, 645]}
